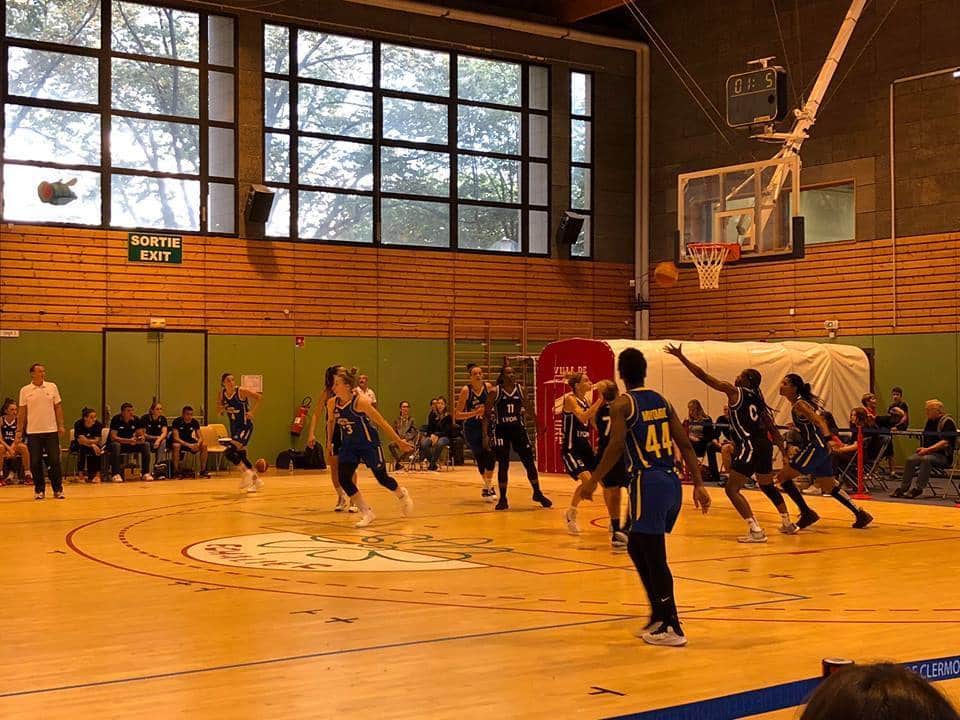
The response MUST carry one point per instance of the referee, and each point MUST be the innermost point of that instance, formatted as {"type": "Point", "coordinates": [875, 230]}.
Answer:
{"type": "Point", "coordinates": [42, 408]}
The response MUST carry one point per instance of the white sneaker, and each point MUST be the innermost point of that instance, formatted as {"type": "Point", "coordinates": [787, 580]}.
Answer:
{"type": "Point", "coordinates": [812, 490]}
{"type": "Point", "coordinates": [353, 509]}
{"type": "Point", "coordinates": [116, 478]}
{"type": "Point", "coordinates": [343, 503]}
{"type": "Point", "coordinates": [664, 635]}
{"type": "Point", "coordinates": [789, 528]}
{"type": "Point", "coordinates": [147, 477]}
{"type": "Point", "coordinates": [619, 540]}
{"type": "Point", "coordinates": [406, 502]}
{"type": "Point", "coordinates": [648, 628]}
{"type": "Point", "coordinates": [256, 484]}
{"type": "Point", "coordinates": [246, 480]}
{"type": "Point", "coordinates": [366, 518]}
{"type": "Point", "coordinates": [755, 536]}
{"type": "Point", "coordinates": [570, 518]}
{"type": "Point", "coordinates": [10, 478]}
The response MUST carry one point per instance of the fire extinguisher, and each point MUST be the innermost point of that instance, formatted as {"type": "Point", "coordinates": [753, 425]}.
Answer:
{"type": "Point", "coordinates": [300, 419]}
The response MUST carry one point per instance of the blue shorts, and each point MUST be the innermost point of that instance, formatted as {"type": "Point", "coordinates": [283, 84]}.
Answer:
{"type": "Point", "coordinates": [241, 433]}
{"type": "Point", "coordinates": [371, 456]}
{"type": "Point", "coordinates": [473, 435]}
{"type": "Point", "coordinates": [656, 497]}
{"type": "Point", "coordinates": [813, 460]}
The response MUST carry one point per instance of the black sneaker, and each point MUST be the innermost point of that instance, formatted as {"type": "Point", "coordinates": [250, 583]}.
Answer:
{"type": "Point", "coordinates": [542, 499]}
{"type": "Point", "coordinates": [397, 467]}
{"type": "Point", "coordinates": [898, 493]}
{"type": "Point", "coordinates": [863, 519]}
{"type": "Point", "coordinates": [433, 468]}
{"type": "Point", "coordinates": [502, 503]}
{"type": "Point", "coordinates": [205, 475]}
{"type": "Point", "coordinates": [807, 518]}
{"type": "Point", "coordinates": [915, 493]}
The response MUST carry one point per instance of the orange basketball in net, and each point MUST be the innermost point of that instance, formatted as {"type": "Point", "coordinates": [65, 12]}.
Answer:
{"type": "Point", "coordinates": [261, 465]}
{"type": "Point", "coordinates": [665, 274]}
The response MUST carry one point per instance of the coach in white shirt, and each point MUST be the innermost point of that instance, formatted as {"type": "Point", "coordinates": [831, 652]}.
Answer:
{"type": "Point", "coordinates": [364, 389]}
{"type": "Point", "coordinates": [41, 416]}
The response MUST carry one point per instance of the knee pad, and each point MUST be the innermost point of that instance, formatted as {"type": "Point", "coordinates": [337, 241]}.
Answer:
{"type": "Point", "coordinates": [232, 454]}
{"type": "Point", "coordinates": [348, 485]}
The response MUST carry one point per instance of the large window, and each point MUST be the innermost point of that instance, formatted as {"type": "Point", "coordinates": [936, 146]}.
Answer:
{"type": "Point", "coordinates": [581, 158]}
{"type": "Point", "coordinates": [129, 105]}
{"type": "Point", "coordinates": [372, 142]}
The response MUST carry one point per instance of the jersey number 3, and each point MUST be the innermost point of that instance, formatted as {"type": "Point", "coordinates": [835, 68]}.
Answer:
{"type": "Point", "coordinates": [662, 445]}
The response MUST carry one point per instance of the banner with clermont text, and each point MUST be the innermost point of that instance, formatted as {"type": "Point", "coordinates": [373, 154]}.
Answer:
{"type": "Point", "coordinates": [162, 249]}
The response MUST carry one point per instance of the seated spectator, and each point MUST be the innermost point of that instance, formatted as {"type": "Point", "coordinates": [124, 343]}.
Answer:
{"type": "Point", "coordinates": [126, 437]}
{"type": "Point", "coordinates": [437, 433]}
{"type": "Point", "coordinates": [10, 448]}
{"type": "Point", "coordinates": [899, 412]}
{"type": "Point", "coordinates": [186, 439]}
{"type": "Point", "coordinates": [155, 431]}
{"type": "Point", "coordinates": [431, 416]}
{"type": "Point", "coordinates": [935, 451]}
{"type": "Point", "coordinates": [878, 692]}
{"type": "Point", "coordinates": [722, 440]}
{"type": "Point", "coordinates": [700, 430]}
{"type": "Point", "coordinates": [88, 436]}
{"type": "Point", "coordinates": [407, 429]}
{"type": "Point", "coordinates": [869, 401]}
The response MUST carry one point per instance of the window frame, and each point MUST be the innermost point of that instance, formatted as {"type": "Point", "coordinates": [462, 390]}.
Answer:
{"type": "Point", "coordinates": [378, 142]}
{"type": "Point", "coordinates": [589, 165]}
{"type": "Point", "coordinates": [104, 109]}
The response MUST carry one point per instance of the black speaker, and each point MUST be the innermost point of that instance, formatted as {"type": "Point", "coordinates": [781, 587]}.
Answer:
{"type": "Point", "coordinates": [569, 228]}
{"type": "Point", "coordinates": [799, 238]}
{"type": "Point", "coordinates": [259, 202]}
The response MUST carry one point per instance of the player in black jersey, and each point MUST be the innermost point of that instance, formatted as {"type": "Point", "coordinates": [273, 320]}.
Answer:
{"type": "Point", "coordinates": [644, 428]}
{"type": "Point", "coordinates": [578, 456]}
{"type": "Point", "coordinates": [617, 478]}
{"type": "Point", "coordinates": [470, 409]}
{"type": "Point", "coordinates": [751, 427]}
{"type": "Point", "coordinates": [332, 436]}
{"type": "Point", "coordinates": [813, 456]}
{"type": "Point", "coordinates": [9, 446]}
{"type": "Point", "coordinates": [235, 402]}
{"type": "Point", "coordinates": [506, 403]}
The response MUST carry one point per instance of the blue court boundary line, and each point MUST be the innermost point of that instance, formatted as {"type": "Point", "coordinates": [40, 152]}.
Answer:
{"type": "Point", "coordinates": [778, 697]}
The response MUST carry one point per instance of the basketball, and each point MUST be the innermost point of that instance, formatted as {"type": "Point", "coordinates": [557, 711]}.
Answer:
{"type": "Point", "coordinates": [261, 465]}
{"type": "Point", "coordinates": [666, 274]}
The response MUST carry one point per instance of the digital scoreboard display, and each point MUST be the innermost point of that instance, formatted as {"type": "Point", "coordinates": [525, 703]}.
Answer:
{"type": "Point", "coordinates": [757, 97]}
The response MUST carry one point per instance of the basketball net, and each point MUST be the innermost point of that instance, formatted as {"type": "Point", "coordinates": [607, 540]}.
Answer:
{"type": "Point", "coordinates": [709, 258]}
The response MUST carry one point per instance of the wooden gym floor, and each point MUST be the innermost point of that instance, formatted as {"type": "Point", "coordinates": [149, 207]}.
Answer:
{"type": "Point", "coordinates": [185, 599]}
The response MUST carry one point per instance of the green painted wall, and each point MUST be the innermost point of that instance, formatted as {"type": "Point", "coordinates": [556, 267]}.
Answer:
{"type": "Point", "coordinates": [73, 362]}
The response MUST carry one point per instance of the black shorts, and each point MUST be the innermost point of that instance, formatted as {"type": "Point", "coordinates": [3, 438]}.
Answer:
{"type": "Point", "coordinates": [513, 435]}
{"type": "Point", "coordinates": [336, 442]}
{"type": "Point", "coordinates": [579, 459]}
{"type": "Point", "coordinates": [754, 456]}
{"type": "Point", "coordinates": [617, 477]}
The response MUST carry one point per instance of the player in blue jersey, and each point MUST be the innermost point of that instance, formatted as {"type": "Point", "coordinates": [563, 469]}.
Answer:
{"type": "Point", "coordinates": [235, 402]}
{"type": "Point", "coordinates": [332, 435]}
{"type": "Point", "coordinates": [470, 409]}
{"type": "Point", "coordinates": [579, 459]}
{"type": "Point", "coordinates": [813, 456]}
{"type": "Point", "coordinates": [617, 478]}
{"type": "Point", "coordinates": [507, 405]}
{"type": "Point", "coordinates": [358, 421]}
{"type": "Point", "coordinates": [644, 428]}
{"type": "Point", "coordinates": [751, 429]}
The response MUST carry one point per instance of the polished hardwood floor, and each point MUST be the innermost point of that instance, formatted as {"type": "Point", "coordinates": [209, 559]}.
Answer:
{"type": "Point", "coordinates": [186, 599]}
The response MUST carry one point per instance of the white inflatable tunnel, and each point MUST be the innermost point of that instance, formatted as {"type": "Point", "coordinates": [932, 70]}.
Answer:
{"type": "Point", "coordinates": [839, 374]}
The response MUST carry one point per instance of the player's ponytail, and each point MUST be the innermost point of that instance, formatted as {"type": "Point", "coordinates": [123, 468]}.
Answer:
{"type": "Point", "coordinates": [349, 377]}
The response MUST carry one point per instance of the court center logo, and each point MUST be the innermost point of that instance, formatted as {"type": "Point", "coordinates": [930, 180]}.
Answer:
{"type": "Point", "coordinates": [372, 553]}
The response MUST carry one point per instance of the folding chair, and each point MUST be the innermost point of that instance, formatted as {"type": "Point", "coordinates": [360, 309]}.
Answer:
{"type": "Point", "coordinates": [211, 434]}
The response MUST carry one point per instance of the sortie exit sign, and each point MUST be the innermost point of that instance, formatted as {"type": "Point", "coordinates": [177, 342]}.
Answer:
{"type": "Point", "coordinates": [162, 249]}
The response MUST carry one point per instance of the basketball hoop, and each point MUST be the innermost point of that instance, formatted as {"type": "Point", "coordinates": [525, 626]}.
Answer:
{"type": "Point", "coordinates": [709, 259]}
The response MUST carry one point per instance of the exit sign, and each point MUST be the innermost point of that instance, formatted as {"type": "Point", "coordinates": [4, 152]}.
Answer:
{"type": "Point", "coordinates": [160, 249]}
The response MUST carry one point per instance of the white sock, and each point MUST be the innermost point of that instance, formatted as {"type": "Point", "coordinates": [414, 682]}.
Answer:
{"type": "Point", "coordinates": [753, 524]}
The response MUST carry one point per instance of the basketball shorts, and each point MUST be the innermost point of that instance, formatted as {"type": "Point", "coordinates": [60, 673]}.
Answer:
{"type": "Point", "coordinates": [617, 477]}
{"type": "Point", "coordinates": [813, 460]}
{"type": "Point", "coordinates": [336, 441]}
{"type": "Point", "coordinates": [579, 459]}
{"type": "Point", "coordinates": [656, 498]}
{"type": "Point", "coordinates": [242, 433]}
{"type": "Point", "coordinates": [753, 456]}
{"type": "Point", "coordinates": [473, 435]}
{"type": "Point", "coordinates": [511, 435]}
{"type": "Point", "coordinates": [370, 455]}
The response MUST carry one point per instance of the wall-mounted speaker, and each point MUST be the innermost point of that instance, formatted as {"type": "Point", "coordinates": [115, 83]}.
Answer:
{"type": "Point", "coordinates": [259, 202]}
{"type": "Point", "coordinates": [569, 228]}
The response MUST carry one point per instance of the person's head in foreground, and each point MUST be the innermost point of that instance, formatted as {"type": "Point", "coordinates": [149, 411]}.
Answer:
{"type": "Point", "coordinates": [877, 692]}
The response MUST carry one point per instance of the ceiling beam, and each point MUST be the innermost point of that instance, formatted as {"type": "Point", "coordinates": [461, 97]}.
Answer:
{"type": "Point", "coordinates": [572, 11]}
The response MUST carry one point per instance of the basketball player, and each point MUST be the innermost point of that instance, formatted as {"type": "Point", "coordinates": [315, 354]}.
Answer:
{"type": "Point", "coordinates": [617, 477]}
{"type": "Point", "coordinates": [332, 435]}
{"type": "Point", "coordinates": [751, 427]}
{"type": "Point", "coordinates": [235, 402]}
{"type": "Point", "coordinates": [578, 456]}
{"type": "Point", "coordinates": [356, 416]}
{"type": "Point", "coordinates": [9, 446]}
{"type": "Point", "coordinates": [470, 408]}
{"type": "Point", "coordinates": [813, 456]}
{"type": "Point", "coordinates": [506, 403]}
{"type": "Point", "coordinates": [645, 426]}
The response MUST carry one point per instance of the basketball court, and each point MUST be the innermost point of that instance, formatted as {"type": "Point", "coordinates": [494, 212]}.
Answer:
{"type": "Point", "coordinates": [169, 598]}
